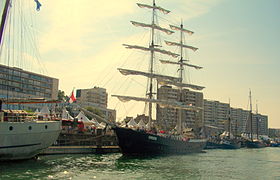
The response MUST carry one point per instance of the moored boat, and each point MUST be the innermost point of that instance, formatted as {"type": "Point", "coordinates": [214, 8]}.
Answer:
{"type": "Point", "coordinates": [254, 143]}
{"type": "Point", "coordinates": [137, 142]}
{"type": "Point", "coordinates": [230, 141]}
{"type": "Point", "coordinates": [22, 136]}
{"type": "Point", "coordinates": [149, 141]}
{"type": "Point", "coordinates": [230, 144]}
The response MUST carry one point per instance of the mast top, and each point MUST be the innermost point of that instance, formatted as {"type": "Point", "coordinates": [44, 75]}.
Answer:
{"type": "Point", "coordinates": [181, 28]}
{"type": "Point", "coordinates": [164, 11]}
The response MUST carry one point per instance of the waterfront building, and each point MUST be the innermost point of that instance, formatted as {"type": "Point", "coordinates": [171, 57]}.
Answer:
{"type": "Point", "coordinates": [96, 98]}
{"type": "Point", "coordinates": [274, 133]}
{"type": "Point", "coordinates": [239, 118]}
{"type": "Point", "coordinates": [261, 126]}
{"type": "Point", "coordinates": [96, 95]}
{"type": "Point", "coordinates": [18, 83]}
{"type": "Point", "coordinates": [216, 114]}
{"type": "Point", "coordinates": [167, 117]}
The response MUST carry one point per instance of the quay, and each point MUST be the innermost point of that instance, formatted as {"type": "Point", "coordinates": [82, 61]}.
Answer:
{"type": "Point", "coordinates": [80, 150]}
{"type": "Point", "coordinates": [86, 142]}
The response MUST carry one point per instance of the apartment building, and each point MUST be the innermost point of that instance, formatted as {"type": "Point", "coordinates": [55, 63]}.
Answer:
{"type": "Point", "coordinates": [96, 95]}
{"type": "Point", "coordinates": [274, 133]}
{"type": "Point", "coordinates": [18, 83]}
{"type": "Point", "coordinates": [167, 117]}
{"type": "Point", "coordinates": [96, 98]}
{"type": "Point", "coordinates": [216, 114]}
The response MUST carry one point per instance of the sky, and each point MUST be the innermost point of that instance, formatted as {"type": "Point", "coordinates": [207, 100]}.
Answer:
{"type": "Point", "coordinates": [80, 43]}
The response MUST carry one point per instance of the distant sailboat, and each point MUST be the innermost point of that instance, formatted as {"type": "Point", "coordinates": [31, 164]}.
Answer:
{"type": "Point", "coordinates": [253, 143]}
{"type": "Point", "coordinates": [228, 142]}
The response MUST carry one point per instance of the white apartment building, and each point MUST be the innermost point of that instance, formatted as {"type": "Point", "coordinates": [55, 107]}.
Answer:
{"type": "Point", "coordinates": [217, 114]}
{"type": "Point", "coordinates": [167, 117]}
{"type": "Point", "coordinates": [96, 95]}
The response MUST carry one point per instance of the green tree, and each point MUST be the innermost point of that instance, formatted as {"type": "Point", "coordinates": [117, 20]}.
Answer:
{"type": "Point", "coordinates": [61, 96]}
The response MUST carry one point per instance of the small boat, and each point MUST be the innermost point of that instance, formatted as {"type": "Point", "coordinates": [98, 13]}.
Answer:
{"type": "Point", "coordinates": [213, 144]}
{"type": "Point", "coordinates": [223, 143]}
{"type": "Point", "coordinates": [255, 144]}
{"type": "Point", "coordinates": [226, 140]}
{"type": "Point", "coordinates": [274, 144]}
{"type": "Point", "coordinates": [230, 144]}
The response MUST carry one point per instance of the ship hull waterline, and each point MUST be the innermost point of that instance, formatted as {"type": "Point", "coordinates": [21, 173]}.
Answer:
{"type": "Point", "coordinates": [25, 140]}
{"type": "Point", "coordinates": [255, 144]}
{"type": "Point", "coordinates": [231, 146]}
{"type": "Point", "coordinates": [137, 143]}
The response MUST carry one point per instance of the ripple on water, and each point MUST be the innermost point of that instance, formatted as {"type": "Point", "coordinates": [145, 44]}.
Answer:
{"type": "Point", "coordinates": [215, 164]}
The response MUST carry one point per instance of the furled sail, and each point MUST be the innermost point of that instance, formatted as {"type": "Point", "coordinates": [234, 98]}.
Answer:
{"type": "Point", "coordinates": [153, 7]}
{"type": "Point", "coordinates": [180, 45]}
{"type": "Point", "coordinates": [178, 63]}
{"type": "Point", "coordinates": [150, 75]}
{"type": "Point", "coordinates": [150, 49]}
{"type": "Point", "coordinates": [181, 29]}
{"type": "Point", "coordinates": [167, 31]}
{"type": "Point", "coordinates": [160, 102]}
{"type": "Point", "coordinates": [179, 84]}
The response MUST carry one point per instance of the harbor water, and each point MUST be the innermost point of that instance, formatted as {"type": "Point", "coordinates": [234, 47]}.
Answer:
{"type": "Point", "coordinates": [243, 163]}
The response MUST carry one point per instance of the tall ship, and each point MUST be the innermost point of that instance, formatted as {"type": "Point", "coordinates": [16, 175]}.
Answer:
{"type": "Point", "coordinates": [22, 135]}
{"type": "Point", "coordinates": [149, 140]}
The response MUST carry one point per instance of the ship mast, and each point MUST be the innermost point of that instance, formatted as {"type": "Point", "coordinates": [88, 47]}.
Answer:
{"type": "Point", "coordinates": [251, 117]}
{"type": "Point", "coordinates": [3, 20]}
{"type": "Point", "coordinates": [181, 80]}
{"type": "Point", "coordinates": [181, 64]}
{"type": "Point", "coordinates": [235, 128]}
{"type": "Point", "coordinates": [151, 67]}
{"type": "Point", "coordinates": [257, 120]}
{"type": "Point", "coordinates": [229, 121]}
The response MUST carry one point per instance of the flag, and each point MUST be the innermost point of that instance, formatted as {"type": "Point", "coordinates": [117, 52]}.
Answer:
{"type": "Point", "coordinates": [72, 97]}
{"type": "Point", "coordinates": [38, 5]}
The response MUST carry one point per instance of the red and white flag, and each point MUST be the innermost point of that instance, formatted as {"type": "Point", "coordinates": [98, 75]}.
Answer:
{"type": "Point", "coordinates": [72, 97]}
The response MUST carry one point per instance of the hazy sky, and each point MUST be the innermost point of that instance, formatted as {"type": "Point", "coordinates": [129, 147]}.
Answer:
{"type": "Point", "coordinates": [80, 43]}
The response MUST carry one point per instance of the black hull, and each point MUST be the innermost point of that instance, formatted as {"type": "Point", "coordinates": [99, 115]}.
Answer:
{"type": "Point", "coordinates": [212, 145]}
{"type": "Point", "coordinates": [231, 146]}
{"type": "Point", "coordinates": [255, 144]}
{"type": "Point", "coordinates": [221, 145]}
{"type": "Point", "coordinates": [133, 142]}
